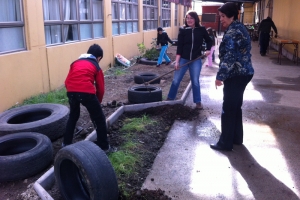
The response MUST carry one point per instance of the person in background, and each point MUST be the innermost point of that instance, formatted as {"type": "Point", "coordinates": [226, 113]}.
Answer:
{"type": "Point", "coordinates": [189, 46]}
{"type": "Point", "coordinates": [85, 85]}
{"type": "Point", "coordinates": [235, 72]}
{"type": "Point", "coordinates": [213, 54]}
{"type": "Point", "coordinates": [212, 37]}
{"type": "Point", "coordinates": [163, 39]}
{"type": "Point", "coordinates": [264, 30]}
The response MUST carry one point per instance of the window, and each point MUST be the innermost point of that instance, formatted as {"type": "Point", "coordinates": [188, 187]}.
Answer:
{"type": "Point", "coordinates": [150, 14]}
{"type": "Point", "coordinates": [166, 13]}
{"type": "Point", "coordinates": [11, 26]}
{"type": "Point", "coordinates": [124, 16]}
{"type": "Point", "coordinates": [72, 20]}
{"type": "Point", "coordinates": [176, 15]}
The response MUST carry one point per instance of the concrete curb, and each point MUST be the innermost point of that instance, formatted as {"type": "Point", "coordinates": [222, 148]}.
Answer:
{"type": "Point", "coordinates": [46, 181]}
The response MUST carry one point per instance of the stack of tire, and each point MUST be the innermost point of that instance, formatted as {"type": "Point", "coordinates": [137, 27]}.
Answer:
{"type": "Point", "coordinates": [145, 93]}
{"type": "Point", "coordinates": [82, 170]}
{"type": "Point", "coordinates": [25, 138]}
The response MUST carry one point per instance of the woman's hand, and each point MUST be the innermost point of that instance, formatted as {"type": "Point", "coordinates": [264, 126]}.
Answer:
{"type": "Point", "coordinates": [218, 83]}
{"type": "Point", "coordinates": [176, 65]}
{"type": "Point", "coordinates": [206, 53]}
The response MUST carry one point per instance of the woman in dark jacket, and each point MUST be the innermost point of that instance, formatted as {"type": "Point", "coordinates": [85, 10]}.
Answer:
{"type": "Point", "coordinates": [189, 47]}
{"type": "Point", "coordinates": [235, 71]}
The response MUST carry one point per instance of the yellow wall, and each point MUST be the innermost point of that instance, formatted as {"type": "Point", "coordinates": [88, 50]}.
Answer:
{"type": "Point", "coordinates": [41, 68]}
{"type": "Point", "coordinates": [286, 17]}
{"type": "Point", "coordinates": [248, 13]}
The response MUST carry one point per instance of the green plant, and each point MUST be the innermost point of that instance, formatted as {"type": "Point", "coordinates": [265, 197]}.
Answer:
{"type": "Point", "coordinates": [152, 53]}
{"type": "Point", "coordinates": [142, 49]}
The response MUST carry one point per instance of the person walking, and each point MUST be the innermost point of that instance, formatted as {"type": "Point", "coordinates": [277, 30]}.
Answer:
{"type": "Point", "coordinates": [264, 30]}
{"type": "Point", "coordinates": [163, 39]}
{"type": "Point", "coordinates": [212, 49]}
{"type": "Point", "coordinates": [189, 47]}
{"type": "Point", "coordinates": [82, 90]}
{"type": "Point", "coordinates": [235, 72]}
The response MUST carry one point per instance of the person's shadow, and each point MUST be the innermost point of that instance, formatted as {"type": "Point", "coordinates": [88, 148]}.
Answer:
{"type": "Point", "coordinates": [261, 182]}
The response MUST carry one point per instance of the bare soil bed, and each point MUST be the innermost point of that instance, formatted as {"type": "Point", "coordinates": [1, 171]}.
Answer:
{"type": "Point", "coordinates": [116, 89]}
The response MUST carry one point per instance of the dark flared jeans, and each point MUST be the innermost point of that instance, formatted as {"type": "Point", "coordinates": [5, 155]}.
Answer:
{"type": "Point", "coordinates": [231, 118]}
{"type": "Point", "coordinates": [90, 101]}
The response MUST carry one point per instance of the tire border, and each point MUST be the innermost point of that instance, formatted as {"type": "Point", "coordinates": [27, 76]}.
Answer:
{"type": "Point", "coordinates": [88, 159]}
{"type": "Point", "coordinates": [53, 126]}
{"type": "Point", "coordinates": [28, 163]}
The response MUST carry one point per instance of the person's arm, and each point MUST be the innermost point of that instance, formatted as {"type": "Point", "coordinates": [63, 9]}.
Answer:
{"type": "Point", "coordinates": [169, 40]}
{"type": "Point", "coordinates": [157, 39]}
{"type": "Point", "coordinates": [229, 59]}
{"type": "Point", "coordinates": [99, 85]}
{"type": "Point", "coordinates": [274, 28]}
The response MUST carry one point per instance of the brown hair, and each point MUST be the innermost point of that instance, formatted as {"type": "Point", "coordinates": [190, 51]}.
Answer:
{"type": "Point", "coordinates": [194, 15]}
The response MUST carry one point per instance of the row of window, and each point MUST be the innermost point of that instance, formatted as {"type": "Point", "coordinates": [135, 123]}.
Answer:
{"type": "Point", "coordinates": [76, 20]}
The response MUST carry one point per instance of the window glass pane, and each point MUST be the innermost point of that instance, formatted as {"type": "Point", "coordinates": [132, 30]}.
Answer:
{"type": "Point", "coordinates": [84, 9]}
{"type": "Point", "coordinates": [145, 12]}
{"type": "Point", "coordinates": [70, 32]}
{"type": "Point", "coordinates": [97, 10]}
{"type": "Point", "coordinates": [10, 10]}
{"type": "Point", "coordinates": [114, 10]}
{"type": "Point", "coordinates": [98, 30]}
{"type": "Point", "coordinates": [135, 27]}
{"type": "Point", "coordinates": [134, 12]}
{"type": "Point", "coordinates": [129, 27]}
{"type": "Point", "coordinates": [128, 11]}
{"type": "Point", "coordinates": [6, 41]}
{"type": "Point", "coordinates": [51, 10]}
{"type": "Point", "coordinates": [122, 11]}
{"type": "Point", "coordinates": [115, 28]}
{"type": "Point", "coordinates": [69, 10]}
{"type": "Point", "coordinates": [53, 34]}
{"type": "Point", "coordinates": [122, 27]}
{"type": "Point", "coordinates": [85, 31]}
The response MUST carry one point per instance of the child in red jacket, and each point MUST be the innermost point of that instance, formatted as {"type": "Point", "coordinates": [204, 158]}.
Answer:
{"type": "Point", "coordinates": [85, 85]}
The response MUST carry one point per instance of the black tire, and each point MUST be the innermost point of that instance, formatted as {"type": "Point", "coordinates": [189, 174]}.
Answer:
{"type": "Point", "coordinates": [145, 77]}
{"type": "Point", "coordinates": [149, 62]}
{"type": "Point", "coordinates": [83, 171]}
{"type": "Point", "coordinates": [46, 118]}
{"type": "Point", "coordinates": [144, 94]}
{"type": "Point", "coordinates": [23, 155]}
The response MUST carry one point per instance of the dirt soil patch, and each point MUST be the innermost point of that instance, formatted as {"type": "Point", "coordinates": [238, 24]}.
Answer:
{"type": "Point", "coordinates": [117, 82]}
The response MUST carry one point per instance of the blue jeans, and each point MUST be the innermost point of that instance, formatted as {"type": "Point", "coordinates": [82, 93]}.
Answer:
{"type": "Point", "coordinates": [231, 118]}
{"type": "Point", "coordinates": [163, 54]}
{"type": "Point", "coordinates": [93, 106]}
{"type": "Point", "coordinates": [194, 69]}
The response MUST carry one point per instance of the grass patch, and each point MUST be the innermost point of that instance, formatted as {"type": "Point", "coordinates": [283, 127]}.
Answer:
{"type": "Point", "coordinates": [136, 124]}
{"type": "Point", "coordinates": [56, 96]}
{"type": "Point", "coordinates": [127, 160]}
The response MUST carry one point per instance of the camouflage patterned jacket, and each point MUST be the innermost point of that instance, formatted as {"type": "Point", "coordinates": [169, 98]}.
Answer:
{"type": "Point", "coordinates": [234, 52]}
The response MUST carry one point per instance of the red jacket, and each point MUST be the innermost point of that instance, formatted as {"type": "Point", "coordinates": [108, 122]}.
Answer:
{"type": "Point", "coordinates": [82, 76]}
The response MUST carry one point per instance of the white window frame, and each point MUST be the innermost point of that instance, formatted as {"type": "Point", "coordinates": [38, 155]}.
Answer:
{"type": "Point", "coordinates": [12, 27]}
{"type": "Point", "coordinates": [124, 17]}
{"type": "Point", "coordinates": [150, 12]}
{"type": "Point", "coordinates": [166, 13]}
{"type": "Point", "coordinates": [78, 20]}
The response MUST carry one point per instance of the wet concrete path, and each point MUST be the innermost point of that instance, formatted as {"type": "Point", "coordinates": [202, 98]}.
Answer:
{"type": "Point", "coordinates": [265, 167]}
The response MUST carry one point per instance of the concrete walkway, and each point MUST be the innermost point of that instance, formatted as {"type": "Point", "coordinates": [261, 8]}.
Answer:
{"type": "Point", "coordinates": [267, 166]}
